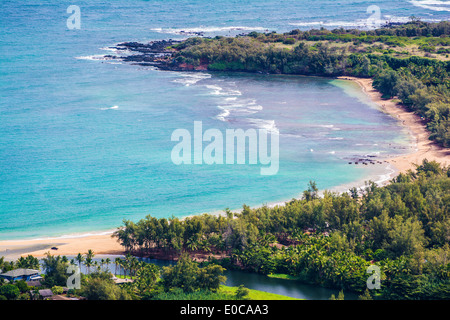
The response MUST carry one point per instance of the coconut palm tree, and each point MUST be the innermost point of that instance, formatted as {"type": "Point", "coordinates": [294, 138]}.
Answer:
{"type": "Point", "coordinates": [88, 262]}
{"type": "Point", "coordinates": [107, 262]}
{"type": "Point", "coordinates": [117, 263]}
{"type": "Point", "coordinates": [98, 266]}
{"type": "Point", "coordinates": [90, 254]}
{"type": "Point", "coordinates": [80, 259]}
{"type": "Point", "coordinates": [102, 263]}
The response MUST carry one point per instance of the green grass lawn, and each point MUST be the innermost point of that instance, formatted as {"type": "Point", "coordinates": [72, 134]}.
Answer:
{"type": "Point", "coordinates": [282, 276]}
{"type": "Point", "coordinates": [256, 294]}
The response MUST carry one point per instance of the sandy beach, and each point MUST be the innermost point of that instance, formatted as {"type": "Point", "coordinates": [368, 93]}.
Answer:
{"type": "Point", "coordinates": [100, 244]}
{"type": "Point", "coordinates": [104, 244]}
{"type": "Point", "coordinates": [425, 148]}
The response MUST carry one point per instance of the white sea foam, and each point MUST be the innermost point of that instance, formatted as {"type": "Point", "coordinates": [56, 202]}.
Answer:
{"type": "Point", "coordinates": [224, 114]}
{"type": "Point", "coordinates": [203, 29]}
{"type": "Point", "coordinates": [268, 125]}
{"type": "Point", "coordinates": [239, 107]}
{"type": "Point", "coordinates": [189, 79]}
{"type": "Point", "coordinates": [92, 57]}
{"type": "Point", "coordinates": [99, 57]}
{"type": "Point", "coordinates": [255, 107]}
{"type": "Point", "coordinates": [219, 91]}
{"type": "Point", "coordinates": [360, 23]}
{"type": "Point", "coordinates": [435, 5]}
{"type": "Point", "coordinates": [291, 135]}
{"type": "Point", "coordinates": [110, 108]}
{"type": "Point", "coordinates": [384, 178]}
{"type": "Point", "coordinates": [336, 138]}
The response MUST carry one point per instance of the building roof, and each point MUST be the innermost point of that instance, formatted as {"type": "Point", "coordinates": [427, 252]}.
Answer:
{"type": "Point", "coordinates": [46, 293]}
{"type": "Point", "coordinates": [120, 281]}
{"type": "Point", "coordinates": [20, 273]}
{"type": "Point", "coordinates": [59, 297]}
{"type": "Point", "coordinates": [34, 283]}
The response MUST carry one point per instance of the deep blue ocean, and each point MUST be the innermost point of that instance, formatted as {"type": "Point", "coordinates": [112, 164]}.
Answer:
{"type": "Point", "coordinates": [85, 143]}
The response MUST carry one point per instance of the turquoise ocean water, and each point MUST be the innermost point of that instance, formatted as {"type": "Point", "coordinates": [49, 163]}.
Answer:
{"type": "Point", "coordinates": [85, 143]}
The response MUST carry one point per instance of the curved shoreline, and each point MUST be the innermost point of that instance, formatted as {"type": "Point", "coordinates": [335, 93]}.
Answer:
{"type": "Point", "coordinates": [101, 242]}
{"type": "Point", "coordinates": [425, 148]}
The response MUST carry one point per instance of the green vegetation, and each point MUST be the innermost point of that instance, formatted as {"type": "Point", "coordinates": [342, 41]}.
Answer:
{"type": "Point", "coordinates": [18, 290]}
{"type": "Point", "coordinates": [408, 61]}
{"type": "Point", "coordinates": [29, 262]}
{"type": "Point", "coordinates": [242, 293]}
{"type": "Point", "coordinates": [404, 228]}
{"type": "Point", "coordinates": [282, 276]}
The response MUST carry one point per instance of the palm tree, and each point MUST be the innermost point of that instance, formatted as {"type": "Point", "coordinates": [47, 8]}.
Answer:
{"type": "Point", "coordinates": [97, 265]}
{"type": "Point", "coordinates": [125, 265]}
{"type": "Point", "coordinates": [88, 260]}
{"type": "Point", "coordinates": [102, 262]}
{"type": "Point", "coordinates": [80, 259]}
{"type": "Point", "coordinates": [133, 266]}
{"type": "Point", "coordinates": [88, 263]}
{"type": "Point", "coordinates": [107, 262]}
{"type": "Point", "coordinates": [90, 254]}
{"type": "Point", "coordinates": [117, 262]}
{"type": "Point", "coordinates": [192, 245]}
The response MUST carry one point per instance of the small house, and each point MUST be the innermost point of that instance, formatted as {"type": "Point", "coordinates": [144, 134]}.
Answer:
{"type": "Point", "coordinates": [21, 274]}
{"type": "Point", "coordinates": [46, 293]}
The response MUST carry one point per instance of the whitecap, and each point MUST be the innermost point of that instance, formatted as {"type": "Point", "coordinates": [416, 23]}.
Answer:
{"type": "Point", "coordinates": [239, 108]}
{"type": "Point", "coordinates": [292, 135]}
{"type": "Point", "coordinates": [203, 29]}
{"type": "Point", "coordinates": [435, 5]}
{"type": "Point", "coordinates": [336, 138]}
{"type": "Point", "coordinates": [224, 114]}
{"type": "Point", "coordinates": [189, 79]}
{"type": "Point", "coordinates": [268, 125]}
{"type": "Point", "coordinates": [219, 91]}
{"type": "Point", "coordinates": [359, 23]}
{"type": "Point", "coordinates": [110, 108]}
{"type": "Point", "coordinates": [92, 57]}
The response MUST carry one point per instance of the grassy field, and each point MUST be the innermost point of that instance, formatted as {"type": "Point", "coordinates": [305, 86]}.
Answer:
{"type": "Point", "coordinates": [256, 294]}
{"type": "Point", "coordinates": [282, 276]}
{"type": "Point", "coordinates": [404, 48]}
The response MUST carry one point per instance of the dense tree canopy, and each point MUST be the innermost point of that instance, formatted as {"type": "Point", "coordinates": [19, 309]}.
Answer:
{"type": "Point", "coordinates": [403, 227]}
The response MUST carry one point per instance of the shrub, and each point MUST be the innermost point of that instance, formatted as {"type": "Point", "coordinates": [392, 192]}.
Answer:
{"type": "Point", "coordinates": [289, 41]}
